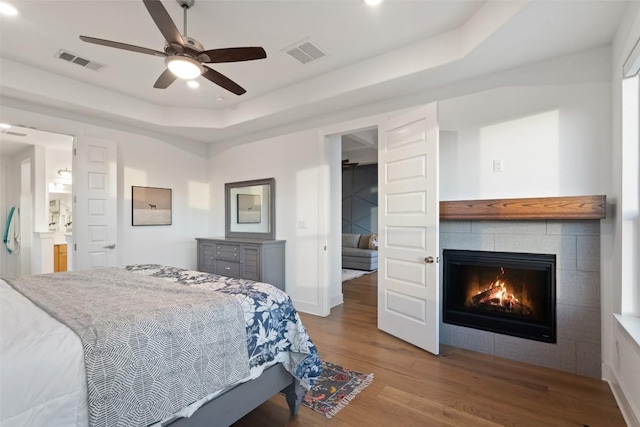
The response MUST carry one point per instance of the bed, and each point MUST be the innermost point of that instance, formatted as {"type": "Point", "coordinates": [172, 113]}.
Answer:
{"type": "Point", "coordinates": [237, 345]}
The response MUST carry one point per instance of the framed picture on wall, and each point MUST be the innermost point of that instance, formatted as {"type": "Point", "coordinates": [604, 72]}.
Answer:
{"type": "Point", "coordinates": [249, 207]}
{"type": "Point", "coordinates": [150, 206]}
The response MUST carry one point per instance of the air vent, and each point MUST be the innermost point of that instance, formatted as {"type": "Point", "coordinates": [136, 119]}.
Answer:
{"type": "Point", "coordinates": [9, 132]}
{"type": "Point", "coordinates": [83, 62]}
{"type": "Point", "coordinates": [305, 51]}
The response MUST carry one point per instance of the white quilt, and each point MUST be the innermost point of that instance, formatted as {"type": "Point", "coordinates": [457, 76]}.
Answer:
{"type": "Point", "coordinates": [42, 374]}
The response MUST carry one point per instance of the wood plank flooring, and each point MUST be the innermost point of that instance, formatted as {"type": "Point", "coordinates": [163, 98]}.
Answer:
{"type": "Point", "coordinates": [457, 388]}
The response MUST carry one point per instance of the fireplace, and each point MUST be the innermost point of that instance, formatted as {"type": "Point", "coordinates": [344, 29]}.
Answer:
{"type": "Point", "coordinates": [504, 292]}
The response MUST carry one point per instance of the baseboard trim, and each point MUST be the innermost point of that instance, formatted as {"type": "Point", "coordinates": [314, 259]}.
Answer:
{"type": "Point", "coordinates": [336, 300]}
{"type": "Point", "coordinates": [305, 307]}
{"type": "Point", "coordinates": [629, 416]}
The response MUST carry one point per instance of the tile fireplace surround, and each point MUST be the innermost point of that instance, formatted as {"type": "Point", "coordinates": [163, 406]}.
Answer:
{"type": "Point", "coordinates": [576, 243]}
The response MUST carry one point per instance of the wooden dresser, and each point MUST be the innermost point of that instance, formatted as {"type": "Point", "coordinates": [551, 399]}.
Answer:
{"type": "Point", "coordinates": [252, 259]}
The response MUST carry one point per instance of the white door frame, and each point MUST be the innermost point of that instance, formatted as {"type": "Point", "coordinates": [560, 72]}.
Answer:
{"type": "Point", "coordinates": [330, 235]}
{"type": "Point", "coordinates": [3, 214]}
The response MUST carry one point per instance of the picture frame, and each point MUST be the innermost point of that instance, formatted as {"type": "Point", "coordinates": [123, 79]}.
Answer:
{"type": "Point", "coordinates": [150, 206]}
{"type": "Point", "coordinates": [249, 209]}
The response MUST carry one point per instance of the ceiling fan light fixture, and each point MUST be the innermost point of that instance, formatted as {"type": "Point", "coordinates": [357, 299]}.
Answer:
{"type": "Point", "coordinates": [184, 56]}
{"type": "Point", "coordinates": [65, 173]}
{"type": "Point", "coordinates": [184, 67]}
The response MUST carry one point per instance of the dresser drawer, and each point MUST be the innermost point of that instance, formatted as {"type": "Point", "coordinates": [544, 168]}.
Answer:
{"type": "Point", "coordinates": [225, 251]}
{"type": "Point", "coordinates": [251, 259]}
{"type": "Point", "coordinates": [227, 268]}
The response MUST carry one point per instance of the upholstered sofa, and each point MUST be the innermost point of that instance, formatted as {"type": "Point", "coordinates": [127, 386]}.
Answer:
{"type": "Point", "coordinates": [360, 251]}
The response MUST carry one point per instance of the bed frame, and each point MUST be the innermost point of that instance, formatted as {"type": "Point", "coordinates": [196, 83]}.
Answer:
{"type": "Point", "coordinates": [238, 401]}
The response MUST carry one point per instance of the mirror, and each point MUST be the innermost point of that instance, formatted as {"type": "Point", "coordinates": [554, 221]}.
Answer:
{"type": "Point", "coordinates": [250, 209]}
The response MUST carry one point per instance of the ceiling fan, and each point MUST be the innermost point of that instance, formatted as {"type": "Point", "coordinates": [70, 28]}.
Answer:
{"type": "Point", "coordinates": [347, 164]}
{"type": "Point", "coordinates": [184, 56]}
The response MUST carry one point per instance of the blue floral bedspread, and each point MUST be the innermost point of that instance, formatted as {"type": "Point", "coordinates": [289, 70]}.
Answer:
{"type": "Point", "coordinates": [273, 324]}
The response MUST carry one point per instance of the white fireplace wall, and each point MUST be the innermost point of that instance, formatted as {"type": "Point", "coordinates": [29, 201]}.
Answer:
{"type": "Point", "coordinates": [576, 245]}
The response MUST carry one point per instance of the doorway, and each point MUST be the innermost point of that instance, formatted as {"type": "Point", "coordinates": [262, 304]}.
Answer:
{"type": "Point", "coordinates": [408, 280]}
{"type": "Point", "coordinates": [359, 222]}
{"type": "Point", "coordinates": [31, 160]}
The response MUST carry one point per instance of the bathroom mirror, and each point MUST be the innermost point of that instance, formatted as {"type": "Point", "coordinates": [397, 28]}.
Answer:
{"type": "Point", "coordinates": [250, 209]}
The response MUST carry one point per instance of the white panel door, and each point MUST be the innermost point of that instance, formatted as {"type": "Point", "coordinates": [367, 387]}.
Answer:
{"type": "Point", "coordinates": [408, 285]}
{"type": "Point", "coordinates": [95, 209]}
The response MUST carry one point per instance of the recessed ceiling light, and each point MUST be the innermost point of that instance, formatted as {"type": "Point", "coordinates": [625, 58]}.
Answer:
{"type": "Point", "coordinates": [373, 2]}
{"type": "Point", "coordinates": [220, 98]}
{"type": "Point", "coordinates": [7, 9]}
{"type": "Point", "coordinates": [5, 125]}
{"type": "Point", "coordinates": [193, 84]}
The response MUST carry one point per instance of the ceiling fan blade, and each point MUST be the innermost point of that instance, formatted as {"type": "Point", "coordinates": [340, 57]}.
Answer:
{"type": "Point", "coordinates": [164, 22]}
{"type": "Point", "coordinates": [233, 54]}
{"type": "Point", "coordinates": [222, 81]}
{"type": "Point", "coordinates": [165, 79]}
{"type": "Point", "coordinates": [123, 46]}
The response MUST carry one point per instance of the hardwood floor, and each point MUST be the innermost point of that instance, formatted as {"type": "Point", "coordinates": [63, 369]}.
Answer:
{"type": "Point", "coordinates": [457, 388]}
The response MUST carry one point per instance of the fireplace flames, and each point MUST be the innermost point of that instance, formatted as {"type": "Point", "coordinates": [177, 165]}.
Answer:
{"type": "Point", "coordinates": [497, 297]}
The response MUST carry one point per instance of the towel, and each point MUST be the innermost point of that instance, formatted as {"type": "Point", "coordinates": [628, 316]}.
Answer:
{"type": "Point", "coordinates": [12, 231]}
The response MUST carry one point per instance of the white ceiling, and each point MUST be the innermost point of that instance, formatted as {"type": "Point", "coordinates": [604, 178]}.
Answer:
{"type": "Point", "coordinates": [349, 31]}
{"type": "Point", "coordinates": [364, 139]}
{"type": "Point", "coordinates": [395, 49]}
{"type": "Point", "coordinates": [18, 138]}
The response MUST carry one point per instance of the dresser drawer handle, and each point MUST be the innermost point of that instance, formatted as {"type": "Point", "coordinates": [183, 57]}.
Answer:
{"type": "Point", "coordinates": [227, 268]}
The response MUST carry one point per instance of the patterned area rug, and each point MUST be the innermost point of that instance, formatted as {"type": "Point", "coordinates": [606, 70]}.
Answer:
{"type": "Point", "coordinates": [336, 387]}
{"type": "Point", "coordinates": [348, 274]}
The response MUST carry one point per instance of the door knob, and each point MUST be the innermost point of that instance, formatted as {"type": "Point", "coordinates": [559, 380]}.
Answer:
{"type": "Point", "coordinates": [429, 260]}
{"type": "Point", "coordinates": [111, 246]}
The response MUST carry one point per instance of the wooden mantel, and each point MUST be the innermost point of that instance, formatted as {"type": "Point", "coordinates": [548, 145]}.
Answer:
{"type": "Point", "coordinates": [577, 207]}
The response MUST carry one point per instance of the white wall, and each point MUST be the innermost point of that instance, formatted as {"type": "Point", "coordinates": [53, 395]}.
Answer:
{"type": "Point", "coordinates": [294, 161]}
{"type": "Point", "coordinates": [144, 161]}
{"type": "Point", "coordinates": [552, 144]}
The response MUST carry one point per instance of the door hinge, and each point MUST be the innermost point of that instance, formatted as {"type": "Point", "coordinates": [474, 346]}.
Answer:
{"type": "Point", "coordinates": [75, 246]}
{"type": "Point", "coordinates": [75, 199]}
{"type": "Point", "coordinates": [75, 152]}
